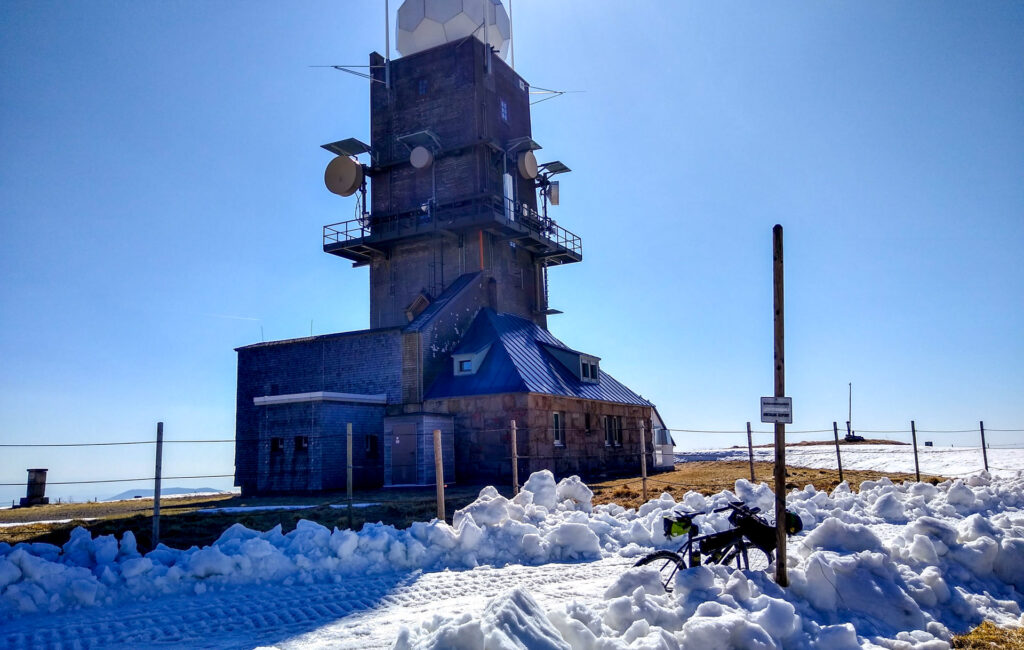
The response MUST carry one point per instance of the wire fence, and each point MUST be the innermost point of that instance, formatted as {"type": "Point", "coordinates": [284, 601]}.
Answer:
{"type": "Point", "coordinates": [512, 451]}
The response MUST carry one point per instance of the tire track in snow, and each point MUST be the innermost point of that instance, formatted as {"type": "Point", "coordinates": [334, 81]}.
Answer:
{"type": "Point", "coordinates": [354, 612]}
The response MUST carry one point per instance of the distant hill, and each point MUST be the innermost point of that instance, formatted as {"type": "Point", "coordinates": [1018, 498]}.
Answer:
{"type": "Point", "coordinates": [147, 493]}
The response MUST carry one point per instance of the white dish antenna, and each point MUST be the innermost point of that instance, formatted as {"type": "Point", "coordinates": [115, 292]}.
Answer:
{"type": "Point", "coordinates": [343, 176]}
{"type": "Point", "coordinates": [527, 164]}
{"type": "Point", "coordinates": [420, 157]}
{"type": "Point", "coordinates": [423, 24]}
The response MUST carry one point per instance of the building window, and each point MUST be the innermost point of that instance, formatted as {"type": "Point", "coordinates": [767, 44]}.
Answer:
{"type": "Point", "coordinates": [372, 447]}
{"type": "Point", "coordinates": [558, 428]}
{"type": "Point", "coordinates": [465, 365]}
{"type": "Point", "coordinates": [504, 111]}
{"type": "Point", "coordinates": [276, 445]}
{"type": "Point", "coordinates": [618, 430]}
{"type": "Point", "coordinates": [588, 370]}
{"type": "Point", "coordinates": [586, 422]}
{"type": "Point", "coordinates": [609, 431]}
{"type": "Point", "coordinates": [301, 443]}
{"type": "Point", "coordinates": [422, 88]}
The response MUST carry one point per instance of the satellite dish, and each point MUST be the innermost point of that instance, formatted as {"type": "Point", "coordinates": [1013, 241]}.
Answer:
{"type": "Point", "coordinates": [420, 157]}
{"type": "Point", "coordinates": [343, 176]}
{"type": "Point", "coordinates": [528, 165]}
{"type": "Point", "coordinates": [553, 192]}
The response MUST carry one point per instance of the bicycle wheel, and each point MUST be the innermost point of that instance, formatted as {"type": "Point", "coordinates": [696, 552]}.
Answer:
{"type": "Point", "coordinates": [667, 563]}
{"type": "Point", "coordinates": [758, 560]}
{"type": "Point", "coordinates": [755, 558]}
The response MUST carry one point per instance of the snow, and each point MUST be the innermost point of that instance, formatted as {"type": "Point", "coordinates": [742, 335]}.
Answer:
{"type": "Point", "coordinates": [15, 524]}
{"type": "Point", "coordinates": [940, 461]}
{"type": "Point", "coordinates": [892, 566]}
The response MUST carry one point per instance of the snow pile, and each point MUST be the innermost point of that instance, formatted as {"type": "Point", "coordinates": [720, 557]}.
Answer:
{"type": "Point", "coordinates": [894, 566]}
{"type": "Point", "coordinates": [856, 579]}
{"type": "Point", "coordinates": [546, 522]}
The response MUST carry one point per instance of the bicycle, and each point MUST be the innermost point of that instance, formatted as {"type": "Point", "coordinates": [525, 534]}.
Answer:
{"type": "Point", "coordinates": [750, 543]}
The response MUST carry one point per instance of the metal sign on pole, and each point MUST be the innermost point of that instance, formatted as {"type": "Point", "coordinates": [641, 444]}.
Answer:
{"type": "Point", "coordinates": [777, 410]}
{"type": "Point", "coordinates": [780, 420]}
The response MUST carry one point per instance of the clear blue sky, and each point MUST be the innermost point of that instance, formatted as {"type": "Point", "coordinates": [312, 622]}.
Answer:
{"type": "Point", "coordinates": [161, 203]}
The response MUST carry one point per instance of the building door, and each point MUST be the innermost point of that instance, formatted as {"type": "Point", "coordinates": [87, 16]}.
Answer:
{"type": "Point", "coordinates": [403, 454]}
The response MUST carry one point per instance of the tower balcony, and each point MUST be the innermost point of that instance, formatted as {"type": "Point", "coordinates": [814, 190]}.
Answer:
{"type": "Point", "coordinates": [359, 240]}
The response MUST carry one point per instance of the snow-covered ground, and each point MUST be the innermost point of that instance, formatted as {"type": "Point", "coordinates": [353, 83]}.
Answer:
{"type": "Point", "coordinates": [900, 566]}
{"type": "Point", "coordinates": [943, 461]}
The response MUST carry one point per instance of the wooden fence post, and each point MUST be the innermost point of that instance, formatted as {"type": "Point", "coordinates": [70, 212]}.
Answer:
{"type": "Point", "coordinates": [156, 482]}
{"type": "Point", "coordinates": [439, 473]}
{"type": "Point", "coordinates": [750, 452]}
{"type": "Point", "coordinates": [984, 452]}
{"type": "Point", "coordinates": [913, 433]}
{"type": "Point", "coordinates": [348, 469]}
{"type": "Point", "coordinates": [839, 459]}
{"type": "Point", "coordinates": [643, 460]}
{"type": "Point", "coordinates": [515, 459]}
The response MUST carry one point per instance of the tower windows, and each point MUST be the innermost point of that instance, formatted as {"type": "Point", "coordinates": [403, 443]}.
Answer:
{"type": "Point", "coordinates": [504, 111]}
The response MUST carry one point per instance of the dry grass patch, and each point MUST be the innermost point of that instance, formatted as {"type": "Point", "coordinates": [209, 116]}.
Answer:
{"type": "Point", "coordinates": [710, 477]}
{"type": "Point", "coordinates": [989, 636]}
{"type": "Point", "coordinates": [182, 525]}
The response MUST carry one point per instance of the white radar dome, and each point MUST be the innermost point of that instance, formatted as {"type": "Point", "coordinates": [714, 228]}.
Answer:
{"type": "Point", "coordinates": [423, 24]}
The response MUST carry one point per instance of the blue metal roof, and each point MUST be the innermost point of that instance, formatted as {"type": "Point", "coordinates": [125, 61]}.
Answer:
{"type": "Point", "coordinates": [517, 363]}
{"type": "Point", "coordinates": [435, 306]}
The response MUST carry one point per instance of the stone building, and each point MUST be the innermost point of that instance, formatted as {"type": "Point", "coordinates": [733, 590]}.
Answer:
{"type": "Point", "coordinates": [458, 248]}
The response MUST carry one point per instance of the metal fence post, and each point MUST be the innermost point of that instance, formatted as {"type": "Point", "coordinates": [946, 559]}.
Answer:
{"type": "Point", "coordinates": [984, 452]}
{"type": "Point", "coordinates": [839, 459]}
{"type": "Point", "coordinates": [750, 452]}
{"type": "Point", "coordinates": [348, 469]}
{"type": "Point", "coordinates": [439, 473]}
{"type": "Point", "coordinates": [515, 459]}
{"type": "Point", "coordinates": [643, 460]}
{"type": "Point", "coordinates": [156, 482]}
{"type": "Point", "coordinates": [917, 467]}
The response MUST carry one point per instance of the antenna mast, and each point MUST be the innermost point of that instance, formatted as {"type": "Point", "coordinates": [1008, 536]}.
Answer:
{"type": "Point", "coordinates": [849, 413]}
{"type": "Point", "coordinates": [387, 46]}
{"type": "Point", "coordinates": [511, 36]}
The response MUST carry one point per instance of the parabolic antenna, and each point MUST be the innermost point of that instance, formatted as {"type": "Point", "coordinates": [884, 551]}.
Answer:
{"type": "Point", "coordinates": [423, 24]}
{"type": "Point", "coordinates": [527, 165]}
{"type": "Point", "coordinates": [343, 176]}
{"type": "Point", "coordinates": [420, 157]}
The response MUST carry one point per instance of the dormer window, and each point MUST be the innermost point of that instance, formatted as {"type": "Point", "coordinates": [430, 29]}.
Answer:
{"type": "Point", "coordinates": [468, 363]}
{"type": "Point", "coordinates": [584, 366]}
{"type": "Point", "coordinates": [589, 372]}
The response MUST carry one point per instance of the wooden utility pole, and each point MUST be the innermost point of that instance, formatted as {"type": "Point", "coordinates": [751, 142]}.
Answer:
{"type": "Point", "coordinates": [750, 452]}
{"type": "Point", "coordinates": [780, 391]}
{"type": "Point", "coordinates": [156, 482]}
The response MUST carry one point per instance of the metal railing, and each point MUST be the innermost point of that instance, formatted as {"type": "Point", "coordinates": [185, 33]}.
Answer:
{"type": "Point", "coordinates": [514, 215]}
